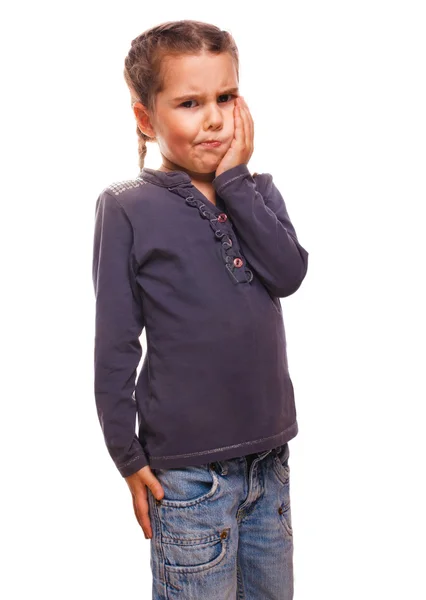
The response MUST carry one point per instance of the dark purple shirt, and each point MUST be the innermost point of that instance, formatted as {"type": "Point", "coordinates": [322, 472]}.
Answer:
{"type": "Point", "coordinates": [205, 281]}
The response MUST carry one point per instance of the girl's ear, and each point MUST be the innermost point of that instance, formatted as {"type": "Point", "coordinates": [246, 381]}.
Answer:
{"type": "Point", "coordinates": [143, 120]}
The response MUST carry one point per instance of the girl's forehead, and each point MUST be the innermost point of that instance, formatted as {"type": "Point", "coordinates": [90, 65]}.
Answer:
{"type": "Point", "coordinates": [198, 73]}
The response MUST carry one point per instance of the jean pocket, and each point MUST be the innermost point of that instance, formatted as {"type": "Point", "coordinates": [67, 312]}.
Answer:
{"type": "Point", "coordinates": [281, 466]}
{"type": "Point", "coordinates": [193, 537]}
{"type": "Point", "coordinates": [196, 554]}
{"type": "Point", "coordinates": [187, 486]}
{"type": "Point", "coordinates": [284, 512]}
{"type": "Point", "coordinates": [282, 472]}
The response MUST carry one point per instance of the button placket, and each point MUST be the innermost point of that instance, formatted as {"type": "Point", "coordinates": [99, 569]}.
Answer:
{"type": "Point", "coordinates": [234, 261]}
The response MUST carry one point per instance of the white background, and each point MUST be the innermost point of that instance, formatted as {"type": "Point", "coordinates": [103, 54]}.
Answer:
{"type": "Point", "coordinates": [337, 93]}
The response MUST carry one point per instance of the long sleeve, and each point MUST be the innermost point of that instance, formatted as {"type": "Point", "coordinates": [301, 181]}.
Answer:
{"type": "Point", "coordinates": [267, 236]}
{"type": "Point", "coordinates": [119, 323]}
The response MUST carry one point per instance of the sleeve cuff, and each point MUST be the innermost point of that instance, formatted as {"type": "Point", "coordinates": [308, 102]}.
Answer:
{"type": "Point", "coordinates": [132, 465]}
{"type": "Point", "coordinates": [230, 175]}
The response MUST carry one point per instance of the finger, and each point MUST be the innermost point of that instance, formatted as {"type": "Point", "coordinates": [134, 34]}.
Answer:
{"type": "Point", "coordinates": [247, 125]}
{"type": "Point", "coordinates": [137, 514]}
{"type": "Point", "coordinates": [239, 125]}
{"type": "Point", "coordinates": [250, 118]}
{"type": "Point", "coordinates": [154, 485]}
{"type": "Point", "coordinates": [139, 501]}
{"type": "Point", "coordinates": [245, 141]}
{"type": "Point", "coordinates": [135, 509]}
{"type": "Point", "coordinates": [142, 508]}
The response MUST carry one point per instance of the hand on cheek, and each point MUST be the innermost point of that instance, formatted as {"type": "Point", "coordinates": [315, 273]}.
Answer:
{"type": "Point", "coordinates": [242, 145]}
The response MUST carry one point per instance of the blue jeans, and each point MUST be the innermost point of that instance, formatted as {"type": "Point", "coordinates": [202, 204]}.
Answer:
{"type": "Point", "coordinates": [223, 530]}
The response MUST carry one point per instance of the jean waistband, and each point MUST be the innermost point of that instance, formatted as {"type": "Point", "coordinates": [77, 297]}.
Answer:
{"type": "Point", "coordinates": [222, 465]}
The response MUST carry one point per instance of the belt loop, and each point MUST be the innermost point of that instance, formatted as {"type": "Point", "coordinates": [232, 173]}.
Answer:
{"type": "Point", "coordinates": [222, 468]}
{"type": "Point", "coordinates": [265, 453]}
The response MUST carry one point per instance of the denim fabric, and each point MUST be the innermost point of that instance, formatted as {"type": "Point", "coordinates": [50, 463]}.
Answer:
{"type": "Point", "coordinates": [223, 530]}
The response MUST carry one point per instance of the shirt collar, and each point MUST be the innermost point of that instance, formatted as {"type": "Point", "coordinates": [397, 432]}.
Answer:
{"type": "Point", "coordinates": [165, 178]}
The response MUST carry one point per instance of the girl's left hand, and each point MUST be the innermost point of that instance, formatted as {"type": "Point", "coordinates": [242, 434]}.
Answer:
{"type": "Point", "coordinates": [242, 145]}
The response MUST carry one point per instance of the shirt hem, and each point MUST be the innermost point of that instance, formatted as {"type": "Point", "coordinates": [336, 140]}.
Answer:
{"type": "Point", "coordinates": [226, 452]}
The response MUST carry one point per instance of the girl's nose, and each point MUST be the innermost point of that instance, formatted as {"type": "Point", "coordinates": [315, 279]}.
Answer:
{"type": "Point", "coordinates": [213, 115]}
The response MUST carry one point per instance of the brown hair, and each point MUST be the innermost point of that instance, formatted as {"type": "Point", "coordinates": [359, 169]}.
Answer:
{"type": "Point", "coordinates": [142, 65]}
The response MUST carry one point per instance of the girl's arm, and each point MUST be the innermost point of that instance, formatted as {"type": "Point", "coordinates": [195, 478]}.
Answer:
{"type": "Point", "coordinates": [118, 325]}
{"type": "Point", "coordinates": [267, 236]}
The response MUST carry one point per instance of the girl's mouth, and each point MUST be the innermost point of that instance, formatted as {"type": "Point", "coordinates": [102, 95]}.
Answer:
{"type": "Point", "coordinates": [210, 144]}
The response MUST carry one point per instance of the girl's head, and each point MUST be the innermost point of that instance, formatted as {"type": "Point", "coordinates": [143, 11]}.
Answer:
{"type": "Point", "coordinates": [183, 79]}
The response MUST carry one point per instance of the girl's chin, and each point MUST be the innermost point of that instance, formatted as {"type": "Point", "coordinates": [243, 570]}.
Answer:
{"type": "Point", "coordinates": [205, 166]}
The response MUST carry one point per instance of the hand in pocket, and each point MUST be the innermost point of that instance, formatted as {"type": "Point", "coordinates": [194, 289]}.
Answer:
{"type": "Point", "coordinates": [138, 484]}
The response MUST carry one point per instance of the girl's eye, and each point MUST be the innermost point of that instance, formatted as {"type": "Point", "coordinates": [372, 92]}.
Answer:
{"type": "Point", "coordinates": [224, 95]}
{"type": "Point", "coordinates": [189, 101]}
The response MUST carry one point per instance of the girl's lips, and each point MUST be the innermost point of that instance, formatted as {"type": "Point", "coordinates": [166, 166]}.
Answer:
{"type": "Point", "coordinates": [210, 144]}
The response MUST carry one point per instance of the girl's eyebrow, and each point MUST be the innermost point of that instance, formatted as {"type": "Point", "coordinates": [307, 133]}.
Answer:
{"type": "Point", "coordinates": [233, 90]}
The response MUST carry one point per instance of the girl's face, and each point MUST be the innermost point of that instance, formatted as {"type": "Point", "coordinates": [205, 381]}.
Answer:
{"type": "Point", "coordinates": [195, 105]}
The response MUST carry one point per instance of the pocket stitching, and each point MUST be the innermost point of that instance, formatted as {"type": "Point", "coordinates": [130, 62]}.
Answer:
{"type": "Point", "coordinates": [277, 468]}
{"type": "Point", "coordinates": [284, 519]}
{"type": "Point", "coordinates": [193, 501]}
{"type": "Point", "coordinates": [206, 566]}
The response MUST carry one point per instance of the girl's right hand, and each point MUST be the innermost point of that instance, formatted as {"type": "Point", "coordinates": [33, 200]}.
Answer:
{"type": "Point", "coordinates": [138, 484]}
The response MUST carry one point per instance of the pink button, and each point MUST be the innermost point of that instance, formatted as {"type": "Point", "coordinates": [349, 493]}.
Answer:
{"type": "Point", "coordinates": [238, 262]}
{"type": "Point", "coordinates": [222, 218]}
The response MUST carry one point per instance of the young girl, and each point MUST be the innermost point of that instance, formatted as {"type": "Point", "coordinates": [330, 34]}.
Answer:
{"type": "Point", "coordinates": [198, 252]}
